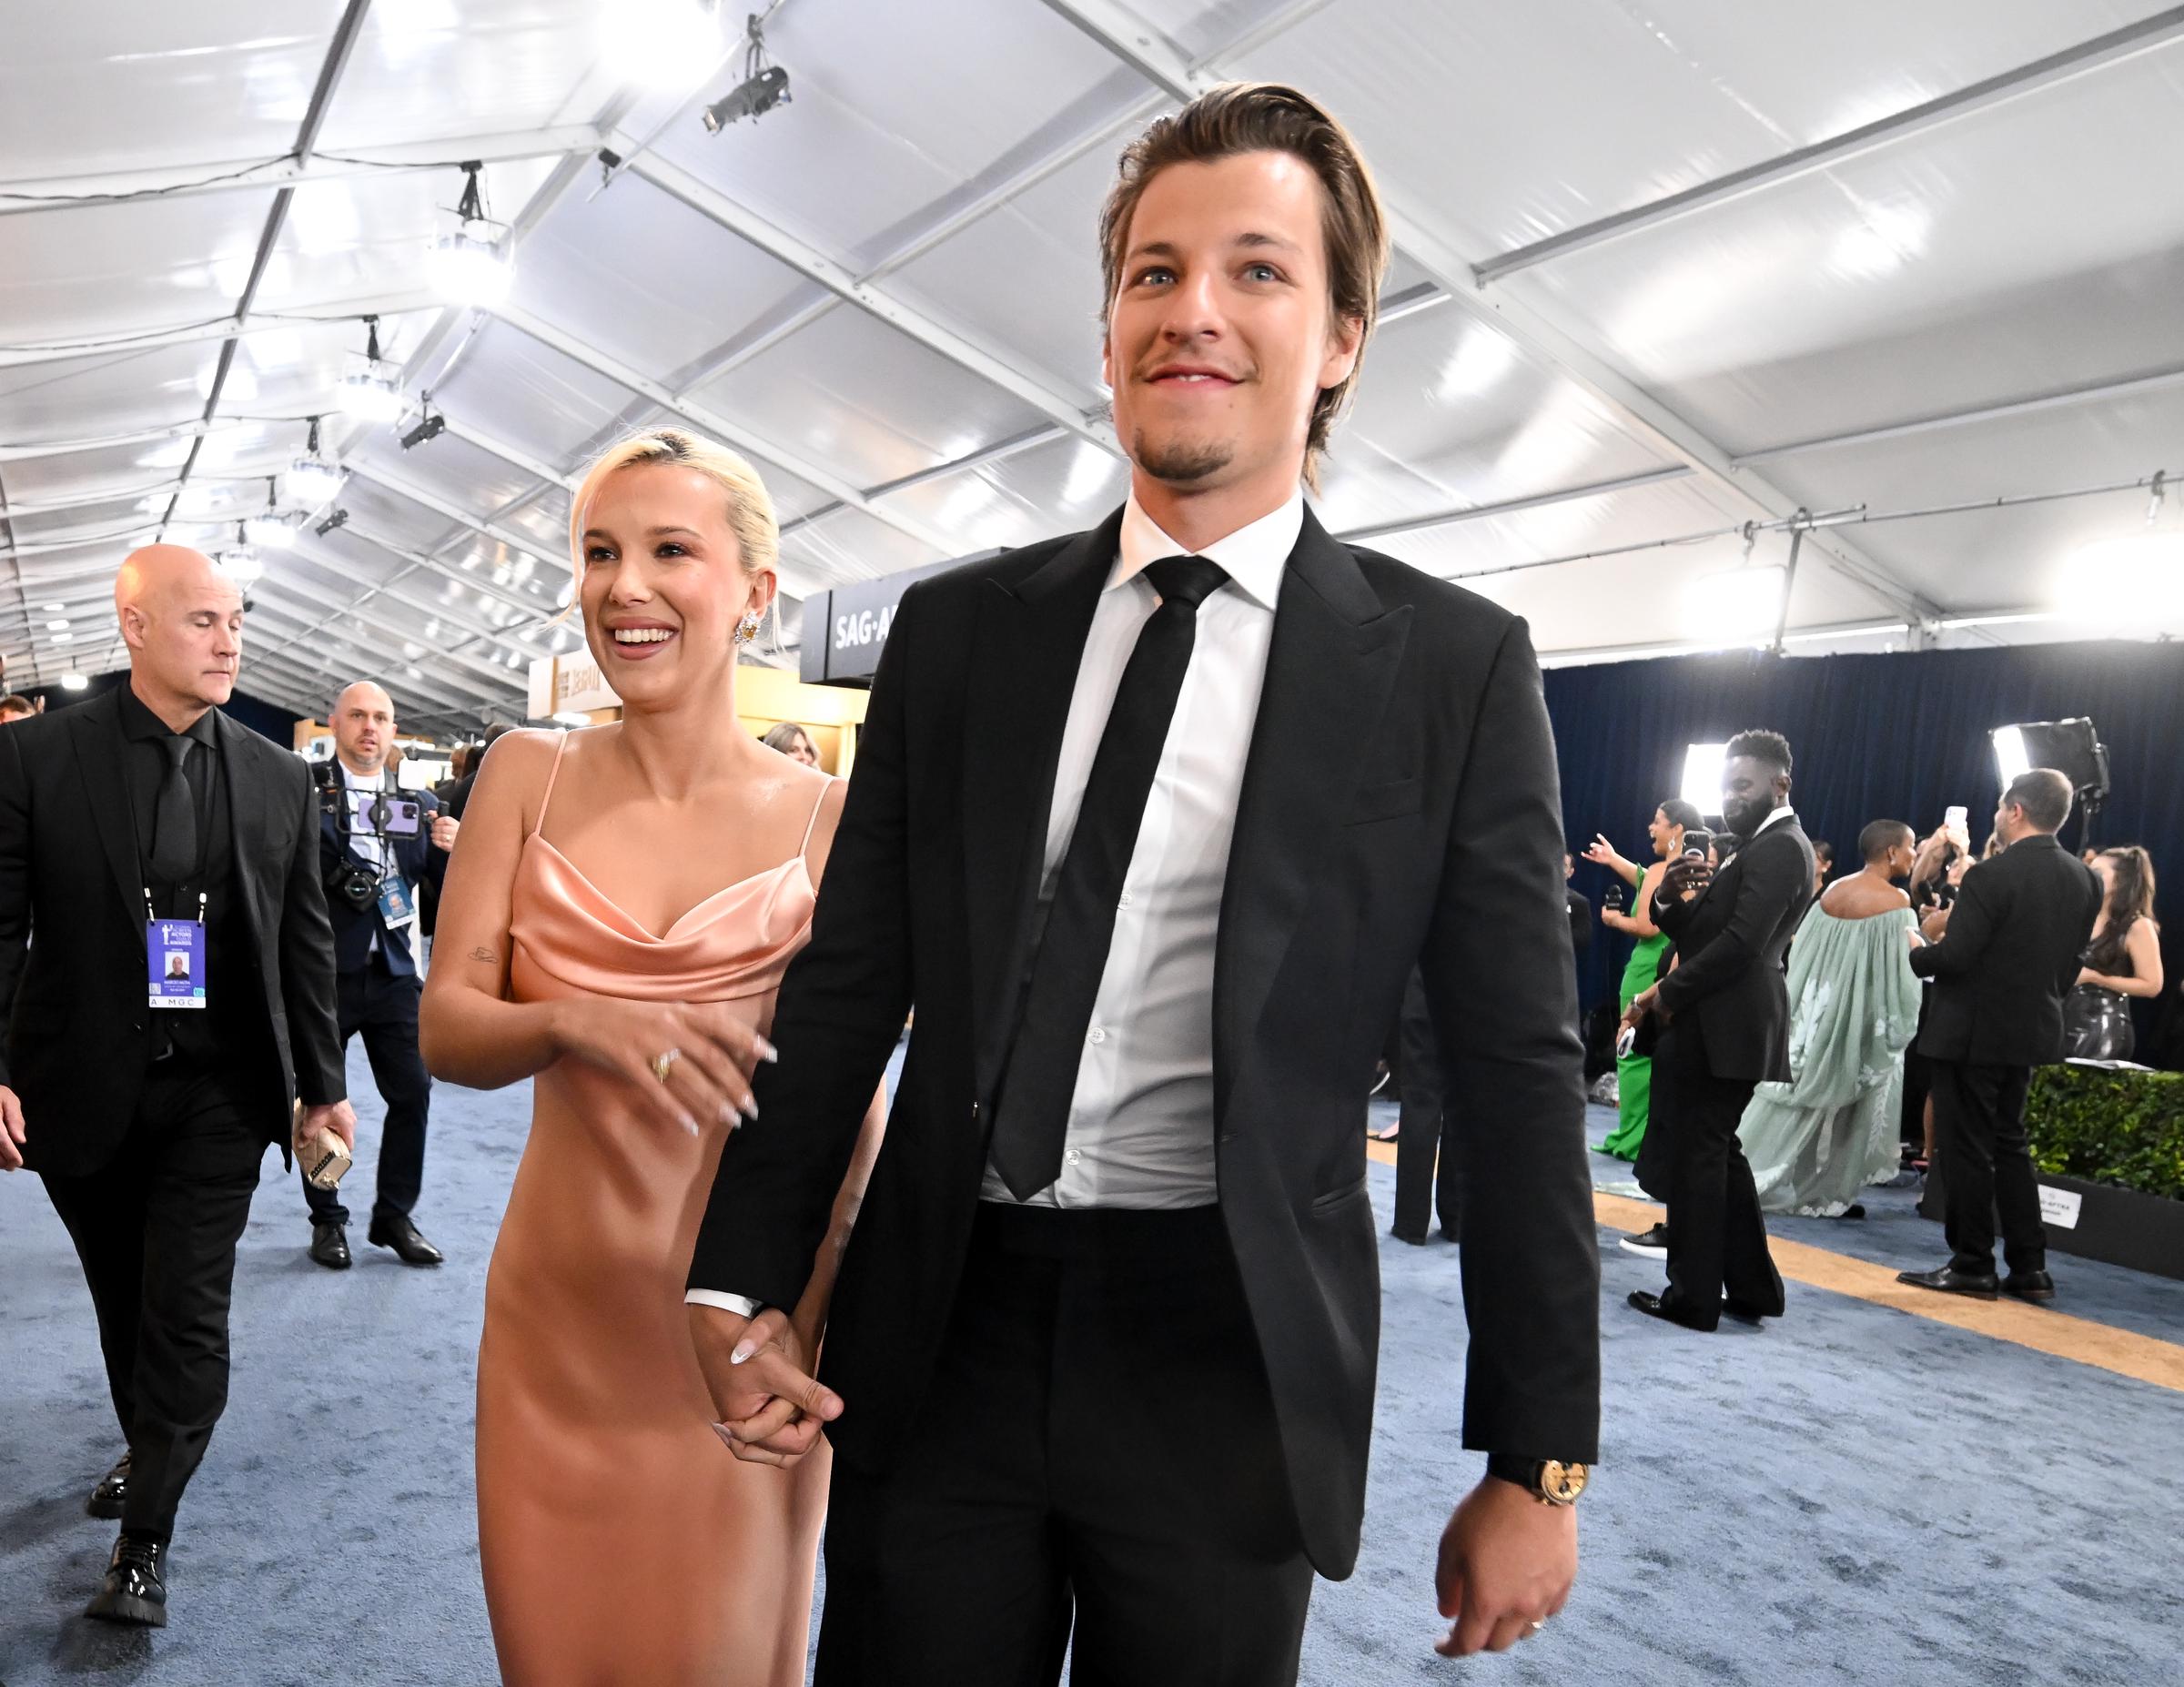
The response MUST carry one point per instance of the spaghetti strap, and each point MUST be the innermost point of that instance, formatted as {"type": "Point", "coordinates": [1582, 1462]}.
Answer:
{"type": "Point", "coordinates": [552, 773]}
{"type": "Point", "coordinates": [812, 825]}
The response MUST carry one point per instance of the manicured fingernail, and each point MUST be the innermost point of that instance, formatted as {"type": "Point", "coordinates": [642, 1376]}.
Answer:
{"type": "Point", "coordinates": [727, 1439]}
{"type": "Point", "coordinates": [743, 1350]}
{"type": "Point", "coordinates": [690, 1125]}
{"type": "Point", "coordinates": [728, 1113]}
{"type": "Point", "coordinates": [767, 1052]}
{"type": "Point", "coordinates": [749, 1106]}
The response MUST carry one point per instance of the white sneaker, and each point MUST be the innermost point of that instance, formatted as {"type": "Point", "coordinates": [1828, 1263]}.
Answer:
{"type": "Point", "coordinates": [1652, 1244]}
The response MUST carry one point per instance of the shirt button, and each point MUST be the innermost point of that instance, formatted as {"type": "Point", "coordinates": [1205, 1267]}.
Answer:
{"type": "Point", "coordinates": [1126, 899]}
{"type": "Point", "coordinates": [1099, 1035]}
{"type": "Point", "coordinates": [1071, 1157]}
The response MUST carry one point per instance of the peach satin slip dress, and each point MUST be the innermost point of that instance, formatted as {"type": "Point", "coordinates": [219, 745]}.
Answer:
{"type": "Point", "coordinates": [622, 1542]}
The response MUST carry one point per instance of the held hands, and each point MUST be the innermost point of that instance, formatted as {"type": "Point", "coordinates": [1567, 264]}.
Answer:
{"type": "Point", "coordinates": [338, 1116]}
{"type": "Point", "coordinates": [772, 1411]}
{"type": "Point", "coordinates": [1507, 1562]}
{"type": "Point", "coordinates": [12, 1133]}
{"type": "Point", "coordinates": [709, 1055]}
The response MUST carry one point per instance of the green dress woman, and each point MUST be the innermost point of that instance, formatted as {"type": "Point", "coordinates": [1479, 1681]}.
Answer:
{"type": "Point", "coordinates": [1634, 1073]}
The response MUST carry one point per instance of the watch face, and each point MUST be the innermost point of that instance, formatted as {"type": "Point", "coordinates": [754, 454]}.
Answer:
{"type": "Point", "coordinates": [1562, 1483]}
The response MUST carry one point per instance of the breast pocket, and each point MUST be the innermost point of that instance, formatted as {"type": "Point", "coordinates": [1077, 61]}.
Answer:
{"type": "Point", "coordinates": [1385, 802]}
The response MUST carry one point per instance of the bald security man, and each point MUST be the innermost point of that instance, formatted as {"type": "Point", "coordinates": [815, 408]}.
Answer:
{"type": "Point", "coordinates": [140, 829]}
{"type": "Point", "coordinates": [376, 863]}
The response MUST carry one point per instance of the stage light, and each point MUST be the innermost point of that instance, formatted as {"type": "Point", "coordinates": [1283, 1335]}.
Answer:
{"type": "Point", "coordinates": [1743, 606]}
{"type": "Point", "coordinates": [75, 683]}
{"type": "Point", "coordinates": [431, 428]}
{"type": "Point", "coordinates": [370, 390]}
{"type": "Point", "coordinates": [272, 529]}
{"type": "Point", "coordinates": [2010, 758]}
{"type": "Point", "coordinates": [660, 43]}
{"type": "Point", "coordinates": [2072, 748]}
{"type": "Point", "coordinates": [1702, 786]}
{"type": "Point", "coordinates": [340, 518]}
{"type": "Point", "coordinates": [56, 626]}
{"type": "Point", "coordinates": [472, 264]}
{"type": "Point", "coordinates": [53, 609]}
{"type": "Point", "coordinates": [765, 85]}
{"type": "Point", "coordinates": [239, 561]}
{"type": "Point", "coordinates": [63, 638]}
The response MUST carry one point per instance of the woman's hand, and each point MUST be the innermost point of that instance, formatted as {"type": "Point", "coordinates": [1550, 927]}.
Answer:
{"type": "Point", "coordinates": [708, 1053]}
{"type": "Point", "coordinates": [1601, 852]}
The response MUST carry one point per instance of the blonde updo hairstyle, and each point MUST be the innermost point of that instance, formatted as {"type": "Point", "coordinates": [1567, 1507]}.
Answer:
{"type": "Point", "coordinates": [750, 508]}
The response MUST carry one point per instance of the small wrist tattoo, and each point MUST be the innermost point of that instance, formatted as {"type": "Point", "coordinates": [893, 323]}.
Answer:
{"type": "Point", "coordinates": [483, 954]}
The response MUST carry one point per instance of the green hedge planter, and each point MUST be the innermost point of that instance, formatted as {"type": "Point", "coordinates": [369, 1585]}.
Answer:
{"type": "Point", "coordinates": [2109, 1150]}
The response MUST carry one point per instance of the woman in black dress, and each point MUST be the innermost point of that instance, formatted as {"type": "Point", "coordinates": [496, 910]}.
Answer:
{"type": "Point", "coordinates": [2122, 962]}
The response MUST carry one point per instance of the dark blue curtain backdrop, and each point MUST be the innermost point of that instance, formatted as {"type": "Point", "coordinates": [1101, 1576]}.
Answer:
{"type": "Point", "coordinates": [1900, 737]}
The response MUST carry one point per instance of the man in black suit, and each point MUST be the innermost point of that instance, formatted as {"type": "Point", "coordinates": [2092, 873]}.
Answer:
{"type": "Point", "coordinates": [2002, 958]}
{"type": "Point", "coordinates": [1724, 1012]}
{"type": "Point", "coordinates": [376, 873]}
{"type": "Point", "coordinates": [145, 821]}
{"type": "Point", "coordinates": [1100, 1370]}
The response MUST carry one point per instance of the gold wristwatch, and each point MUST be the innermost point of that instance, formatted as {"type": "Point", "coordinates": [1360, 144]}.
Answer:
{"type": "Point", "coordinates": [1551, 1481]}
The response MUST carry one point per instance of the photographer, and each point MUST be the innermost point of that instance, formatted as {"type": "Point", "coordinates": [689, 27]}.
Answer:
{"type": "Point", "coordinates": [379, 847]}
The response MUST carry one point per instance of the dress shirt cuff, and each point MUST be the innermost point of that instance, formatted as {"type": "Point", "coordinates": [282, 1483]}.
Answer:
{"type": "Point", "coordinates": [743, 1306]}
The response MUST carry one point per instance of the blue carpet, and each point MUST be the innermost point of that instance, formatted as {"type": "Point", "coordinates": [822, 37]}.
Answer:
{"type": "Point", "coordinates": [1851, 1496]}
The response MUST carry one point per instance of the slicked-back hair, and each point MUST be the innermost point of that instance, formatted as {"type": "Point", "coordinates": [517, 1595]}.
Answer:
{"type": "Point", "coordinates": [1682, 813]}
{"type": "Point", "coordinates": [1880, 836]}
{"type": "Point", "coordinates": [2045, 796]}
{"type": "Point", "coordinates": [1761, 745]}
{"type": "Point", "coordinates": [1269, 116]}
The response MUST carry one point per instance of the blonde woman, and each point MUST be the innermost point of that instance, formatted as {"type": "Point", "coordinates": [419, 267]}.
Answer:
{"type": "Point", "coordinates": [627, 898]}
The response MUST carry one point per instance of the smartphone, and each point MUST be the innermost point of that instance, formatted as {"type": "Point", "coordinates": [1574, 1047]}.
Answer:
{"type": "Point", "coordinates": [1955, 818]}
{"type": "Point", "coordinates": [380, 812]}
{"type": "Point", "coordinates": [1626, 1042]}
{"type": "Point", "coordinates": [1696, 842]}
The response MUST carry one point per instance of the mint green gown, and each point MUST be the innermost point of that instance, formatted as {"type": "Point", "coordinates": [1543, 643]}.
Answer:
{"type": "Point", "coordinates": [1817, 1141]}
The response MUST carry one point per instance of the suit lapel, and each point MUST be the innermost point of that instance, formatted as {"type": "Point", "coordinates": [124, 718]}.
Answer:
{"type": "Point", "coordinates": [1329, 670]}
{"type": "Point", "coordinates": [102, 758]}
{"type": "Point", "coordinates": [246, 812]}
{"type": "Point", "coordinates": [1025, 646]}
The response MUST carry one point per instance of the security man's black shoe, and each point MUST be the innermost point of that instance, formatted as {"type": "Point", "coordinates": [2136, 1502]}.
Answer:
{"type": "Point", "coordinates": [407, 1242]}
{"type": "Point", "coordinates": [330, 1245]}
{"type": "Point", "coordinates": [133, 1589]}
{"type": "Point", "coordinates": [112, 1492]}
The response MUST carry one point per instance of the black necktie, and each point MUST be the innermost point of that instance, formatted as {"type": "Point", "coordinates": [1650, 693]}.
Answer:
{"type": "Point", "coordinates": [1031, 1116]}
{"type": "Point", "coordinates": [175, 818]}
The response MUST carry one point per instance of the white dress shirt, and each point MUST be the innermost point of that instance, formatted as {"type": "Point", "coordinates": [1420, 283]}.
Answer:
{"type": "Point", "coordinates": [1140, 1130]}
{"type": "Point", "coordinates": [366, 845]}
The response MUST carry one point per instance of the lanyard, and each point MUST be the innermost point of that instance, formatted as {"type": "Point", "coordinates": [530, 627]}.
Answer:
{"type": "Point", "coordinates": [152, 918]}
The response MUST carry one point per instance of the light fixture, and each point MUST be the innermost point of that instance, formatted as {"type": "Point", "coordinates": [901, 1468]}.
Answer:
{"type": "Point", "coordinates": [56, 626]}
{"type": "Point", "coordinates": [273, 528]}
{"type": "Point", "coordinates": [430, 427]}
{"type": "Point", "coordinates": [2011, 761]}
{"type": "Point", "coordinates": [658, 42]}
{"type": "Point", "coordinates": [765, 85]}
{"type": "Point", "coordinates": [239, 561]}
{"type": "Point", "coordinates": [311, 478]}
{"type": "Point", "coordinates": [1702, 786]}
{"type": "Point", "coordinates": [2131, 584]}
{"type": "Point", "coordinates": [53, 609]}
{"type": "Point", "coordinates": [472, 264]}
{"type": "Point", "coordinates": [63, 638]}
{"type": "Point", "coordinates": [370, 391]}
{"type": "Point", "coordinates": [1743, 606]}
{"type": "Point", "coordinates": [75, 683]}
{"type": "Point", "coordinates": [338, 517]}
{"type": "Point", "coordinates": [2072, 747]}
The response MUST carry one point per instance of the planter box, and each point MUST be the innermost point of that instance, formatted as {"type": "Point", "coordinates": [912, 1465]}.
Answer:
{"type": "Point", "coordinates": [2098, 1221]}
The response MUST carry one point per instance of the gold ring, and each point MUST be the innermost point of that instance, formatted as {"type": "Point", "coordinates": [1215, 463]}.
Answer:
{"type": "Point", "coordinates": [663, 1064]}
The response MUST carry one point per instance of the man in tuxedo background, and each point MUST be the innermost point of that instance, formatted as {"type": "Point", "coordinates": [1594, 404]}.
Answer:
{"type": "Point", "coordinates": [146, 804]}
{"type": "Point", "coordinates": [1151, 824]}
{"type": "Point", "coordinates": [1724, 1012]}
{"type": "Point", "coordinates": [2002, 958]}
{"type": "Point", "coordinates": [376, 882]}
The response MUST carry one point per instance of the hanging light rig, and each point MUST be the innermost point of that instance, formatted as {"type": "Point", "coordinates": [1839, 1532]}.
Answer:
{"type": "Point", "coordinates": [473, 265]}
{"type": "Point", "coordinates": [370, 391]}
{"type": "Point", "coordinates": [765, 85]}
{"type": "Point", "coordinates": [273, 529]}
{"type": "Point", "coordinates": [311, 478]}
{"type": "Point", "coordinates": [240, 561]}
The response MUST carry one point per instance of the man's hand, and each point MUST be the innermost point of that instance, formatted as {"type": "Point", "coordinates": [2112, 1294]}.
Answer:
{"type": "Point", "coordinates": [1647, 1001]}
{"type": "Point", "coordinates": [338, 1116]}
{"type": "Point", "coordinates": [771, 1409]}
{"type": "Point", "coordinates": [1935, 925]}
{"type": "Point", "coordinates": [12, 1133]}
{"type": "Point", "coordinates": [1687, 876]}
{"type": "Point", "coordinates": [444, 827]}
{"type": "Point", "coordinates": [1506, 1565]}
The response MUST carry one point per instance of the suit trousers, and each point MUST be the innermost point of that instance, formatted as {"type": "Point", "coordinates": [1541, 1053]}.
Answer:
{"type": "Point", "coordinates": [1717, 1240]}
{"type": "Point", "coordinates": [382, 1004]}
{"type": "Point", "coordinates": [1979, 1133]}
{"type": "Point", "coordinates": [157, 1229]}
{"type": "Point", "coordinates": [1428, 1172]}
{"type": "Point", "coordinates": [1095, 1466]}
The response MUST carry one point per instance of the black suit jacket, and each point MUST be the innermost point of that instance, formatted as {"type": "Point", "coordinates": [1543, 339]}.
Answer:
{"type": "Point", "coordinates": [2009, 956]}
{"type": "Point", "coordinates": [1399, 807]}
{"type": "Point", "coordinates": [1730, 942]}
{"type": "Point", "coordinates": [78, 1031]}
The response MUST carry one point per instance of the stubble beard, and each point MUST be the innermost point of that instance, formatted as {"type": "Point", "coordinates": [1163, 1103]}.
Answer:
{"type": "Point", "coordinates": [1180, 462]}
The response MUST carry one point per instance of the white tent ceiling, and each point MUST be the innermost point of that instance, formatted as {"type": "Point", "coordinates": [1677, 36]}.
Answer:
{"type": "Point", "coordinates": [1661, 272]}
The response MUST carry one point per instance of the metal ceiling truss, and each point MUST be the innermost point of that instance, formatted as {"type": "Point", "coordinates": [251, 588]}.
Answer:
{"type": "Point", "coordinates": [332, 312]}
{"type": "Point", "coordinates": [1531, 328]}
{"type": "Point", "coordinates": [358, 608]}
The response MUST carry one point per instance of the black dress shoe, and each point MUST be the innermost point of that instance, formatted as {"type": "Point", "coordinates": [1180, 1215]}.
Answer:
{"type": "Point", "coordinates": [1743, 1312]}
{"type": "Point", "coordinates": [132, 1589]}
{"type": "Point", "coordinates": [1653, 1244]}
{"type": "Point", "coordinates": [1950, 1280]}
{"type": "Point", "coordinates": [1419, 1240]}
{"type": "Point", "coordinates": [2024, 1285]}
{"type": "Point", "coordinates": [113, 1490]}
{"type": "Point", "coordinates": [1670, 1311]}
{"type": "Point", "coordinates": [1857, 1209]}
{"type": "Point", "coordinates": [410, 1246]}
{"type": "Point", "coordinates": [330, 1245]}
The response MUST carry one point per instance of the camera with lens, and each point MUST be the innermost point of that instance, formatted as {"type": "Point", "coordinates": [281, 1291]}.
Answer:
{"type": "Point", "coordinates": [382, 815]}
